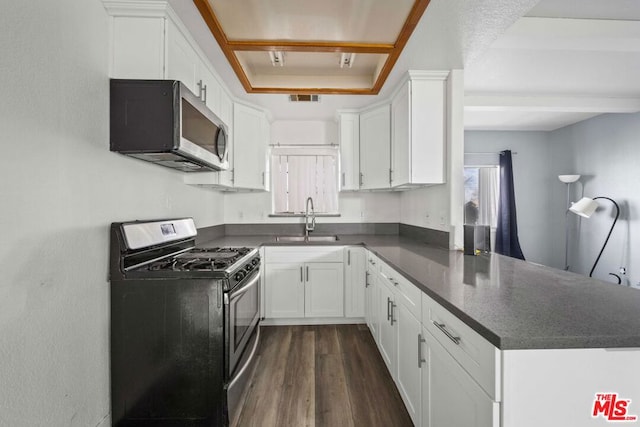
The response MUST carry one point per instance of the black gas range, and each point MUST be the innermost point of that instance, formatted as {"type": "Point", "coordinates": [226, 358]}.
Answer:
{"type": "Point", "coordinates": [184, 325]}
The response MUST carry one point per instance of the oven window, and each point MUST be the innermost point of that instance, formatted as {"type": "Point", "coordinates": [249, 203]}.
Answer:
{"type": "Point", "coordinates": [245, 311]}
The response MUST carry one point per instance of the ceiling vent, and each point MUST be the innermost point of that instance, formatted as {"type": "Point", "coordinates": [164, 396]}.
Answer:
{"type": "Point", "coordinates": [304, 98]}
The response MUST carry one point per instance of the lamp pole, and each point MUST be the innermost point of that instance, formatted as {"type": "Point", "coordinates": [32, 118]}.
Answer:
{"type": "Point", "coordinates": [610, 230]}
{"type": "Point", "coordinates": [567, 179]}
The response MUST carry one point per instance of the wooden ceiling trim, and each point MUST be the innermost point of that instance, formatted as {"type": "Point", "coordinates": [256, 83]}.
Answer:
{"type": "Point", "coordinates": [311, 91]}
{"type": "Point", "coordinates": [216, 29]}
{"type": "Point", "coordinates": [293, 46]}
{"type": "Point", "coordinates": [393, 51]}
{"type": "Point", "coordinates": [407, 29]}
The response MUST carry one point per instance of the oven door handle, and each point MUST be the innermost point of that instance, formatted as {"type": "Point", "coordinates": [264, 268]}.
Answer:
{"type": "Point", "coordinates": [236, 293]}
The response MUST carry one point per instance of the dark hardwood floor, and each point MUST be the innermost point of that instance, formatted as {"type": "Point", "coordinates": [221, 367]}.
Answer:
{"type": "Point", "coordinates": [328, 375]}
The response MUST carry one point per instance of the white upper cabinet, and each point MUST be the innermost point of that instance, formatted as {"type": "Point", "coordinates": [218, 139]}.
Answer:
{"type": "Point", "coordinates": [349, 132]}
{"type": "Point", "coordinates": [375, 148]}
{"type": "Point", "coordinates": [150, 42]}
{"type": "Point", "coordinates": [418, 123]}
{"type": "Point", "coordinates": [182, 62]}
{"type": "Point", "coordinates": [250, 139]}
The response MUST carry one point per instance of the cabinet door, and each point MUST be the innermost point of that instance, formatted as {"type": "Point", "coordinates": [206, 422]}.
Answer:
{"type": "Point", "coordinates": [182, 61]}
{"type": "Point", "coordinates": [324, 289]}
{"type": "Point", "coordinates": [210, 89]}
{"type": "Point", "coordinates": [371, 309]}
{"type": "Point", "coordinates": [427, 135]}
{"type": "Point", "coordinates": [349, 151]}
{"type": "Point", "coordinates": [375, 148]}
{"type": "Point", "coordinates": [354, 285]}
{"type": "Point", "coordinates": [138, 50]}
{"type": "Point", "coordinates": [450, 398]}
{"type": "Point", "coordinates": [409, 362]}
{"type": "Point", "coordinates": [400, 139]}
{"type": "Point", "coordinates": [249, 147]}
{"type": "Point", "coordinates": [284, 290]}
{"type": "Point", "coordinates": [387, 326]}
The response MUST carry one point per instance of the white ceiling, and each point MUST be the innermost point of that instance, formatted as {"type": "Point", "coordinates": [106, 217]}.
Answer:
{"type": "Point", "coordinates": [540, 74]}
{"type": "Point", "coordinates": [564, 62]}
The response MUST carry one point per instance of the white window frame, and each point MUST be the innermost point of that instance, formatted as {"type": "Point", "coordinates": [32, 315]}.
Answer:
{"type": "Point", "coordinates": [276, 179]}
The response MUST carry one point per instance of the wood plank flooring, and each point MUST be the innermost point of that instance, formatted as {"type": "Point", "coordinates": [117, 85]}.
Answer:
{"type": "Point", "coordinates": [326, 375]}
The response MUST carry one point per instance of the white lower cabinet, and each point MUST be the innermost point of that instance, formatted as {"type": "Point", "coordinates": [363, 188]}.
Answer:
{"type": "Point", "coordinates": [303, 282]}
{"type": "Point", "coordinates": [450, 397]}
{"type": "Point", "coordinates": [449, 381]}
{"type": "Point", "coordinates": [371, 299]}
{"type": "Point", "coordinates": [388, 327]}
{"type": "Point", "coordinates": [409, 361]}
{"type": "Point", "coordinates": [284, 290]}
{"type": "Point", "coordinates": [323, 290]}
{"type": "Point", "coordinates": [304, 290]}
{"type": "Point", "coordinates": [354, 281]}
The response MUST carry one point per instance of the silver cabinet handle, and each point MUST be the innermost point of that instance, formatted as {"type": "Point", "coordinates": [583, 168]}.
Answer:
{"type": "Point", "coordinates": [388, 309]}
{"type": "Point", "coordinates": [393, 306]}
{"type": "Point", "coordinates": [343, 179]}
{"type": "Point", "coordinates": [366, 280]}
{"type": "Point", "coordinates": [349, 257]}
{"type": "Point", "coordinates": [301, 278]}
{"type": "Point", "coordinates": [263, 179]}
{"type": "Point", "coordinates": [361, 177]}
{"type": "Point", "coordinates": [390, 176]}
{"type": "Point", "coordinates": [421, 360]}
{"type": "Point", "coordinates": [307, 273]}
{"type": "Point", "coordinates": [444, 330]}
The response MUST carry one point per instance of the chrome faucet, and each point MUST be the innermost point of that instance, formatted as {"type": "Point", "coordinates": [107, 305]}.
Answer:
{"type": "Point", "coordinates": [309, 226]}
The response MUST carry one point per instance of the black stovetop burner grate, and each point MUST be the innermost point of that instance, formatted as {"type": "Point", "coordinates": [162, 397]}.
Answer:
{"type": "Point", "coordinates": [200, 259]}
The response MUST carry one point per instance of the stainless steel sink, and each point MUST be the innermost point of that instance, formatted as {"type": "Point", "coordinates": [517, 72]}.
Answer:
{"type": "Point", "coordinates": [310, 239]}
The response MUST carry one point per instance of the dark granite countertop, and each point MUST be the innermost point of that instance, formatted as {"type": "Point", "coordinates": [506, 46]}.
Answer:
{"type": "Point", "coordinates": [512, 303]}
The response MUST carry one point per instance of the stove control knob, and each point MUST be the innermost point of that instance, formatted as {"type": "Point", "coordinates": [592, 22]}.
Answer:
{"type": "Point", "coordinates": [248, 267]}
{"type": "Point", "coordinates": [255, 261]}
{"type": "Point", "coordinates": [239, 275]}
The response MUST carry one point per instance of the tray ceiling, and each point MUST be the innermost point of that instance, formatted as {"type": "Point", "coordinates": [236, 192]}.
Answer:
{"type": "Point", "coordinates": [305, 46]}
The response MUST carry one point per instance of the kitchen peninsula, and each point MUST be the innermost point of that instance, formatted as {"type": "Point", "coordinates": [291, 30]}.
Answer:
{"type": "Point", "coordinates": [533, 327]}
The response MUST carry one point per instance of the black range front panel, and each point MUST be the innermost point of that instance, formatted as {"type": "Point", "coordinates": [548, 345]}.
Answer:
{"type": "Point", "coordinates": [167, 353]}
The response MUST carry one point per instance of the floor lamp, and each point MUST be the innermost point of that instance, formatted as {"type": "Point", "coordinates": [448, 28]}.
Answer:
{"type": "Point", "coordinates": [567, 179]}
{"type": "Point", "coordinates": [585, 207]}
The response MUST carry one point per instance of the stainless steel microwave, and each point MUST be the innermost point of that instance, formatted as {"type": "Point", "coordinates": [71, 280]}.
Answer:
{"type": "Point", "coordinates": [163, 122]}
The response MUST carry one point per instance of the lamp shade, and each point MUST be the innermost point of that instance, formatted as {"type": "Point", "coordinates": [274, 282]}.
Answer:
{"type": "Point", "coordinates": [584, 207]}
{"type": "Point", "coordinates": [568, 179]}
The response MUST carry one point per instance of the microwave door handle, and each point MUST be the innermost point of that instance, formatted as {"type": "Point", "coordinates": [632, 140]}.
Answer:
{"type": "Point", "coordinates": [238, 293]}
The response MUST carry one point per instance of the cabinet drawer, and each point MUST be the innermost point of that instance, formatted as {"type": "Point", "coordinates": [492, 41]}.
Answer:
{"type": "Point", "coordinates": [406, 292]}
{"type": "Point", "coordinates": [373, 262]}
{"type": "Point", "coordinates": [474, 353]}
{"type": "Point", "coordinates": [295, 254]}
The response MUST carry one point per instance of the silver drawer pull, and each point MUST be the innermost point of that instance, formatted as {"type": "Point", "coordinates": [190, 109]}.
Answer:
{"type": "Point", "coordinates": [444, 330]}
{"type": "Point", "coordinates": [421, 359]}
{"type": "Point", "coordinates": [393, 306]}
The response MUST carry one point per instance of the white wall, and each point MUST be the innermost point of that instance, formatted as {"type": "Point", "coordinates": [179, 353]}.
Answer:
{"type": "Point", "coordinates": [60, 189]}
{"type": "Point", "coordinates": [353, 206]}
{"type": "Point", "coordinates": [249, 208]}
{"type": "Point", "coordinates": [539, 194]}
{"type": "Point", "coordinates": [304, 132]}
{"type": "Point", "coordinates": [605, 151]}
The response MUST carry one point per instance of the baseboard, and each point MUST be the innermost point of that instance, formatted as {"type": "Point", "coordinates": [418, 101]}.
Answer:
{"type": "Point", "coordinates": [313, 321]}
